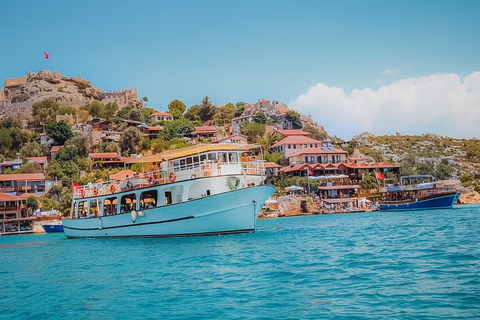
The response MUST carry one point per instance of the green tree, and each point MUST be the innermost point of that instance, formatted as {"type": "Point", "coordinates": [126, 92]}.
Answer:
{"type": "Point", "coordinates": [293, 117]}
{"type": "Point", "coordinates": [31, 167]}
{"type": "Point", "coordinates": [53, 171]}
{"type": "Point", "coordinates": [425, 168]}
{"type": "Point", "coordinates": [177, 108]}
{"type": "Point", "coordinates": [32, 203]}
{"type": "Point", "coordinates": [268, 140]}
{"type": "Point", "coordinates": [207, 109]}
{"type": "Point", "coordinates": [124, 113]}
{"type": "Point", "coordinates": [96, 109]}
{"type": "Point", "coordinates": [159, 145]}
{"type": "Point", "coordinates": [444, 170]}
{"type": "Point", "coordinates": [130, 141]}
{"type": "Point", "coordinates": [252, 130]}
{"type": "Point", "coordinates": [227, 112]}
{"type": "Point", "coordinates": [145, 99]}
{"type": "Point", "coordinates": [193, 113]}
{"type": "Point", "coordinates": [31, 149]}
{"type": "Point", "coordinates": [45, 110]}
{"type": "Point", "coordinates": [240, 108]}
{"type": "Point", "coordinates": [83, 144]}
{"type": "Point", "coordinates": [59, 131]}
{"type": "Point", "coordinates": [368, 181]}
{"type": "Point", "coordinates": [259, 117]}
{"type": "Point", "coordinates": [273, 157]}
{"type": "Point", "coordinates": [176, 127]}
{"type": "Point", "coordinates": [109, 147]}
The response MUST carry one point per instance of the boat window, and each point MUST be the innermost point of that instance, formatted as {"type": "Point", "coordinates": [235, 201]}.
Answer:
{"type": "Point", "coordinates": [94, 209]}
{"type": "Point", "coordinates": [182, 164]}
{"type": "Point", "coordinates": [168, 197]}
{"type": "Point", "coordinates": [110, 206]}
{"type": "Point", "coordinates": [196, 161]}
{"type": "Point", "coordinates": [203, 157]}
{"type": "Point", "coordinates": [189, 163]}
{"type": "Point", "coordinates": [176, 165]}
{"type": "Point", "coordinates": [148, 199]}
{"type": "Point", "coordinates": [82, 209]}
{"type": "Point", "coordinates": [233, 156]}
{"type": "Point", "coordinates": [212, 157]}
{"type": "Point", "coordinates": [128, 203]}
{"type": "Point", "coordinates": [223, 156]}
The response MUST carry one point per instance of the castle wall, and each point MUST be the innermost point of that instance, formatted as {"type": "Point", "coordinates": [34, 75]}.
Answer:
{"type": "Point", "coordinates": [15, 82]}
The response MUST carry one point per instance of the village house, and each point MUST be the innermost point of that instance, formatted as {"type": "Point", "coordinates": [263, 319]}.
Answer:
{"type": "Point", "coordinates": [161, 116]}
{"type": "Point", "coordinates": [108, 159]}
{"type": "Point", "coordinates": [235, 138]}
{"type": "Point", "coordinates": [152, 132]}
{"type": "Point", "coordinates": [44, 139]}
{"type": "Point", "coordinates": [203, 131]}
{"type": "Point", "coordinates": [22, 183]}
{"type": "Point", "coordinates": [53, 151]}
{"type": "Point", "coordinates": [14, 215]}
{"type": "Point", "coordinates": [238, 121]}
{"type": "Point", "coordinates": [43, 161]}
{"type": "Point", "coordinates": [12, 165]}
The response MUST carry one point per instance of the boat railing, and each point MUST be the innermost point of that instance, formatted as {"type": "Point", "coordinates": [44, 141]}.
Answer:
{"type": "Point", "coordinates": [173, 174]}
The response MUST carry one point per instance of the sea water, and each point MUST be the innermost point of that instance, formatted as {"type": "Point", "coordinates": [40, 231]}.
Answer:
{"type": "Point", "coordinates": [390, 265]}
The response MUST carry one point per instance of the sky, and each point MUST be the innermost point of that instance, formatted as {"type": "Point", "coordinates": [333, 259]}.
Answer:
{"type": "Point", "coordinates": [379, 66]}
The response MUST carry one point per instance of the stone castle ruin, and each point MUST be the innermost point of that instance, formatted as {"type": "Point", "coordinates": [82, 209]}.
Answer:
{"type": "Point", "coordinates": [270, 109]}
{"type": "Point", "coordinates": [19, 95]}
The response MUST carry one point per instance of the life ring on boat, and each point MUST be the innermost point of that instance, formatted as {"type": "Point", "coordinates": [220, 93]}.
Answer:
{"type": "Point", "coordinates": [193, 176]}
{"type": "Point", "coordinates": [172, 176]}
{"type": "Point", "coordinates": [112, 188]}
{"type": "Point", "coordinates": [151, 180]}
{"type": "Point", "coordinates": [82, 193]}
{"type": "Point", "coordinates": [233, 183]}
{"type": "Point", "coordinates": [95, 191]}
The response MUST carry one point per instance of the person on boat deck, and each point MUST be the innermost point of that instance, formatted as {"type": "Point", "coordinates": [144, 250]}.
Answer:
{"type": "Point", "coordinates": [164, 167]}
{"type": "Point", "coordinates": [244, 158]}
{"type": "Point", "coordinates": [219, 160]}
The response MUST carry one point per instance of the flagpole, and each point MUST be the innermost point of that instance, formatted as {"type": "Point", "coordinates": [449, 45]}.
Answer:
{"type": "Point", "coordinates": [308, 180]}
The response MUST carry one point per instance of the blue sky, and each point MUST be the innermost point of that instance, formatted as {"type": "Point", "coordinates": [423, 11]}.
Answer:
{"type": "Point", "coordinates": [244, 50]}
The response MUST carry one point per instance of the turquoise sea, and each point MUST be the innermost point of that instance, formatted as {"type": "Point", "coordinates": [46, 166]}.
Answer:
{"type": "Point", "coordinates": [401, 265]}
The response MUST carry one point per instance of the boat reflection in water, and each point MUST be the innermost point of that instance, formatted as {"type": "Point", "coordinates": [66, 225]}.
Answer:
{"type": "Point", "coordinates": [202, 190]}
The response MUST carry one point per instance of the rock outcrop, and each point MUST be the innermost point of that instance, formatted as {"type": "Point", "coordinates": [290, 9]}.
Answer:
{"type": "Point", "coordinates": [19, 95]}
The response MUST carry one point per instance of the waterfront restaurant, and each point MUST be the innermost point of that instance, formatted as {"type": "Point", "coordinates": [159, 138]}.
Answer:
{"type": "Point", "coordinates": [14, 216]}
{"type": "Point", "coordinates": [22, 183]}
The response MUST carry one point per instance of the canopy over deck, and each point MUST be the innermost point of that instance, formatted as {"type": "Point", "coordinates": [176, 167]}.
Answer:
{"type": "Point", "coordinates": [192, 150]}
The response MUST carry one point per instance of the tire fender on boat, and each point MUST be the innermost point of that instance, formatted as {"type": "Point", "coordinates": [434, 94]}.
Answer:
{"type": "Point", "coordinates": [141, 214]}
{"type": "Point", "coordinates": [233, 183]}
{"type": "Point", "coordinates": [134, 216]}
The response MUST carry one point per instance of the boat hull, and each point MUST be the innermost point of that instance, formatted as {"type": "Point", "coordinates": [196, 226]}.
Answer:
{"type": "Point", "coordinates": [49, 228]}
{"type": "Point", "coordinates": [439, 202]}
{"type": "Point", "coordinates": [229, 212]}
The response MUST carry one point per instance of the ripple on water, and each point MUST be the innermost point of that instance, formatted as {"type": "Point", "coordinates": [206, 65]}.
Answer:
{"type": "Point", "coordinates": [367, 265]}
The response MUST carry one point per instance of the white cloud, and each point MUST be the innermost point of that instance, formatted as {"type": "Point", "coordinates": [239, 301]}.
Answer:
{"type": "Point", "coordinates": [444, 104]}
{"type": "Point", "coordinates": [391, 72]}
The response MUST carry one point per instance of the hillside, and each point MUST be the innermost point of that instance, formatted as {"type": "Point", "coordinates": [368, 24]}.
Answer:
{"type": "Point", "coordinates": [462, 154]}
{"type": "Point", "coordinates": [18, 95]}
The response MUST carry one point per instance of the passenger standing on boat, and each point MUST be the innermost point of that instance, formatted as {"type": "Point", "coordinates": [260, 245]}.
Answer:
{"type": "Point", "coordinates": [163, 168]}
{"type": "Point", "coordinates": [244, 158]}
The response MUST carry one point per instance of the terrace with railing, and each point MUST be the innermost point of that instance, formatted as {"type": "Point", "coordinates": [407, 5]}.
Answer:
{"type": "Point", "coordinates": [177, 171]}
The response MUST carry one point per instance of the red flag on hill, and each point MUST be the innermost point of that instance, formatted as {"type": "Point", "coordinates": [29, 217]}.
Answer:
{"type": "Point", "coordinates": [207, 123]}
{"type": "Point", "coordinates": [46, 55]}
{"type": "Point", "coordinates": [309, 171]}
{"type": "Point", "coordinates": [378, 175]}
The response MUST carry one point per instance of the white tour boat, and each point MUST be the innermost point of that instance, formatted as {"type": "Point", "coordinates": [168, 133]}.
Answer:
{"type": "Point", "coordinates": [205, 190]}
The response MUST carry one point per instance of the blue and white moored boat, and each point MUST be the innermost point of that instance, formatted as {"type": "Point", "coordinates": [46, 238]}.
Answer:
{"type": "Point", "coordinates": [418, 196]}
{"type": "Point", "coordinates": [205, 190]}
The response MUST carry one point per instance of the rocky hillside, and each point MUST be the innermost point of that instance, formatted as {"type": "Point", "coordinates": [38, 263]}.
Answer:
{"type": "Point", "coordinates": [462, 154]}
{"type": "Point", "coordinates": [19, 94]}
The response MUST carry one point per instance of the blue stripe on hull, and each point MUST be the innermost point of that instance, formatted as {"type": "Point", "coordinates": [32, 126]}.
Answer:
{"type": "Point", "coordinates": [435, 203]}
{"type": "Point", "coordinates": [49, 228]}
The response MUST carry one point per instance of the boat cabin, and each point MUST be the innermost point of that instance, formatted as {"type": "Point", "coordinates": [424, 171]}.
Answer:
{"type": "Point", "coordinates": [160, 187]}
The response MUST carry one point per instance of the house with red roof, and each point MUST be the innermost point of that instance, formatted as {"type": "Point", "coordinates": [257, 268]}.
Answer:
{"type": "Point", "coordinates": [161, 116]}
{"type": "Point", "coordinates": [22, 183]}
{"type": "Point", "coordinates": [299, 148]}
{"type": "Point", "coordinates": [291, 132]}
{"type": "Point", "coordinates": [14, 215]}
{"type": "Point", "coordinates": [43, 161]}
{"type": "Point", "coordinates": [203, 131]}
{"type": "Point", "coordinates": [108, 159]}
{"type": "Point", "coordinates": [152, 132]}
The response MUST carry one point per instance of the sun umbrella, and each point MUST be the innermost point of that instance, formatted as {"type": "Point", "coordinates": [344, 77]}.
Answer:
{"type": "Point", "coordinates": [293, 188]}
{"type": "Point", "coordinates": [271, 201]}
